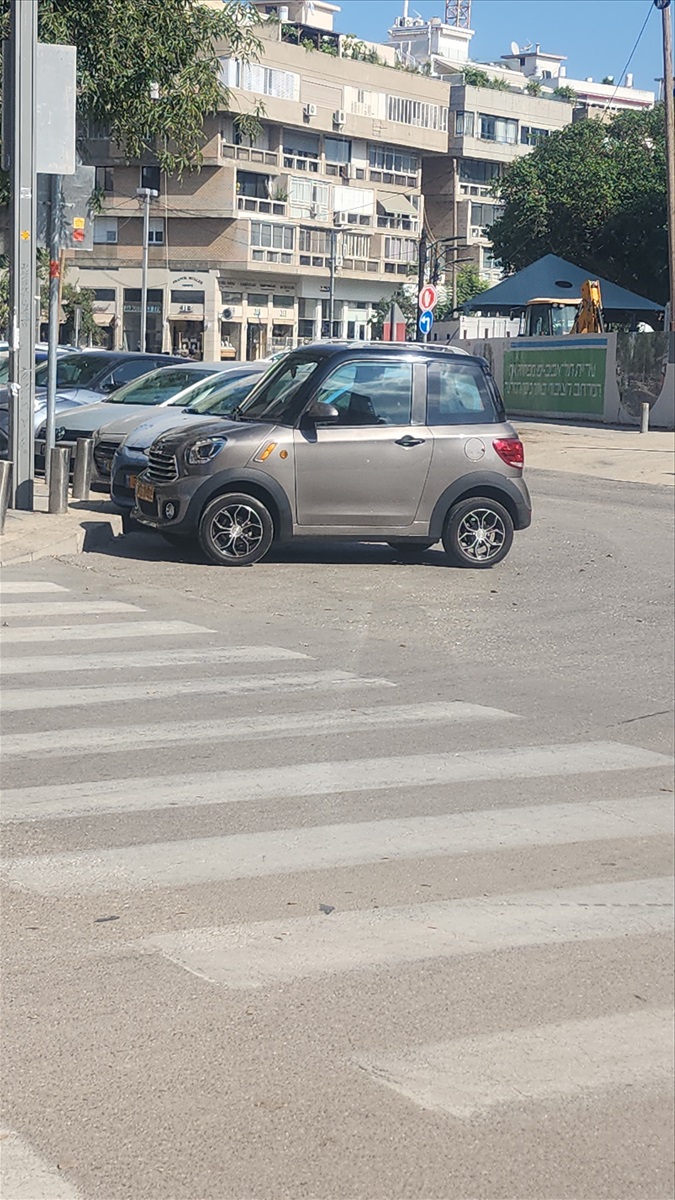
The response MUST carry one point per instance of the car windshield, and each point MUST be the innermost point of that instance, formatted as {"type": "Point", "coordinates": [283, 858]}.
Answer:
{"type": "Point", "coordinates": [202, 391]}
{"type": "Point", "coordinates": [220, 403]}
{"type": "Point", "coordinates": [159, 385]}
{"type": "Point", "coordinates": [278, 396]}
{"type": "Point", "coordinates": [74, 370]}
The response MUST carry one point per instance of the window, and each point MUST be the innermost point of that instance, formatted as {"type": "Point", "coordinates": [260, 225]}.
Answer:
{"type": "Point", "coordinates": [386, 158]}
{"type": "Point", "coordinates": [314, 241]}
{"type": "Point", "coordinates": [258, 299]}
{"type": "Point", "coordinates": [415, 112]}
{"type": "Point", "coordinates": [282, 302]}
{"type": "Point", "coordinates": [298, 144]}
{"type": "Point", "coordinates": [103, 179]}
{"type": "Point", "coordinates": [529, 136]}
{"type": "Point", "coordinates": [250, 183]}
{"type": "Point", "coordinates": [127, 371]}
{"type": "Point", "coordinates": [268, 235]}
{"type": "Point", "coordinates": [460, 394]}
{"type": "Point", "coordinates": [156, 231]}
{"type": "Point", "coordinates": [484, 215]}
{"type": "Point", "coordinates": [356, 245]}
{"type": "Point", "coordinates": [188, 297]}
{"type": "Point", "coordinates": [150, 178]}
{"type": "Point", "coordinates": [309, 200]}
{"type": "Point", "coordinates": [370, 393]}
{"type": "Point", "coordinates": [464, 123]}
{"type": "Point", "coordinates": [105, 230]}
{"type": "Point", "coordinates": [337, 150]}
{"type": "Point", "coordinates": [157, 386]}
{"type": "Point", "coordinates": [364, 103]}
{"type": "Point", "coordinates": [354, 202]}
{"type": "Point", "coordinates": [473, 170]}
{"type": "Point", "coordinates": [267, 81]}
{"type": "Point", "coordinates": [401, 249]}
{"type": "Point", "coordinates": [279, 397]}
{"type": "Point", "coordinates": [497, 129]}
{"type": "Point", "coordinates": [103, 295]}
{"type": "Point", "coordinates": [218, 397]}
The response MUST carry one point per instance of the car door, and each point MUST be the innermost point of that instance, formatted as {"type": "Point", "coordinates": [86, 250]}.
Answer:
{"type": "Point", "coordinates": [368, 469]}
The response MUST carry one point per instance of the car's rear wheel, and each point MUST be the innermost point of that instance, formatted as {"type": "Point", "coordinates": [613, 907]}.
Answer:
{"type": "Point", "coordinates": [478, 533]}
{"type": "Point", "coordinates": [410, 547]}
{"type": "Point", "coordinates": [236, 530]}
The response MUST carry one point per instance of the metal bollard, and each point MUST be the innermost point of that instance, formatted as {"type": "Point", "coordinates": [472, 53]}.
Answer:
{"type": "Point", "coordinates": [84, 458]}
{"type": "Point", "coordinates": [5, 481]}
{"type": "Point", "coordinates": [59, 470]}
{"type": "Point", "coordinates": [644, 418]}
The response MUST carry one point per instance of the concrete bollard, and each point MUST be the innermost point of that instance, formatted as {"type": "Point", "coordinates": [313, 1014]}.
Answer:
{"type": "Point", "coordinates": [644, 418]}
{"type": "Point", "coordinates": [59, 470]}
{"type": "Point", "coordinates": [5, 481]}
{"type": "Point", "coordinates": [84, 458]}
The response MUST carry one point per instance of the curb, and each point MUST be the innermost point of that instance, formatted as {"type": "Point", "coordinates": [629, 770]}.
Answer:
{"type": "Point", "coordinates": [84, 537]}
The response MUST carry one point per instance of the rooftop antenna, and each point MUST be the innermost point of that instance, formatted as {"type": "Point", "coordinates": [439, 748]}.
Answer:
{"type": "Point", "coordinates": [515, 48]}
{"type": "Point", "coordinates": [405, 11]}
{"type": "Point", "coordinates": [458, 13]}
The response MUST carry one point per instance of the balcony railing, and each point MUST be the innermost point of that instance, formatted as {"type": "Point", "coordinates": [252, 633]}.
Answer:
{"type": "Point", "coordinates": [273, 208]}
{"type": "Point", "coordinates": [267, 158]}
{"type": "Point", "coordinates": [409, 224]}
{"type": "Point", "coordinates": [294, 162]}
{"type": "Point", "coordinates": [409, 181]}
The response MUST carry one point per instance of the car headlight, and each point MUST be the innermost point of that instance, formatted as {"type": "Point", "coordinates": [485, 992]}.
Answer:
{"type": "Point", "coordinates": [204, 450]}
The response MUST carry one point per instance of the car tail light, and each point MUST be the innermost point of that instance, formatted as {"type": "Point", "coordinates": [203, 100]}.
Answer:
{"type": "Point", "coordinates": [510, 450]}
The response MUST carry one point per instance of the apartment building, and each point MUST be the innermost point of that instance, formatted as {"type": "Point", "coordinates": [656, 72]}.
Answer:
{"type": "Point", "coordinates": [321, 210]}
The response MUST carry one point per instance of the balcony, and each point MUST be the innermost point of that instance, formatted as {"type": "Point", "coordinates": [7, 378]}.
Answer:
{"type": "Point", "coordinates": [272, 208]}
{"type": "Point", "coordinates": [247, 154]}
{"type": "Point", "coordinates": [407, 181]}
{"type": "Point", "coordinates": [407, 224]}
{"type": "Point", "coordinates": [295, 162]}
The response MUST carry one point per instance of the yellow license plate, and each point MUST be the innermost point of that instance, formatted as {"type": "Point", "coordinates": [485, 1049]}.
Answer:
{"type": "Point", "coordinates": [145, 491]}
{"type": "Point", "coordinates": [132, 481]}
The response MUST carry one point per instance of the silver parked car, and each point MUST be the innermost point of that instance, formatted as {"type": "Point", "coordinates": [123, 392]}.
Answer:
{"type": "Point", "coordinates": [384, 442]}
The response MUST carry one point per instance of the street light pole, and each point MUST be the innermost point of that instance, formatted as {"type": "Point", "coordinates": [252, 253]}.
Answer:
{"type": "Point", "coordinates": [146, 195]}
{"type": "Point", "coordinates": [19, 102]}
{"type": "Point", "coordinates": [669, 105]}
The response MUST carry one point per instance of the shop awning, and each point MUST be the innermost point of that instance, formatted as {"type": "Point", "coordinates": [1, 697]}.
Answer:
{"type": "Point", "coordinates": [396, 205]}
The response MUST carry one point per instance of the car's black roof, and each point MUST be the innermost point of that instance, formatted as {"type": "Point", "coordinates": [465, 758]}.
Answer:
{"type": "Point", "coordinates": [334, 347]}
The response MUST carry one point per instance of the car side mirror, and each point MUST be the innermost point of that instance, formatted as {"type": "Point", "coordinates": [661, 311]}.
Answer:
{"type": "Point", "coordinates": [321, 414]}
{"type": "Point", "coordinates": [109, 385]}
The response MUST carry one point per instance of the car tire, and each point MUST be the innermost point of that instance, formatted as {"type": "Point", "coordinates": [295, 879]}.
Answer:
{"type": "Point", "coordinates": [478, 533]}
{"type": "Point", "coordinates": [410, 547]}
{"type": "Point", "coordinates": [220, 521]}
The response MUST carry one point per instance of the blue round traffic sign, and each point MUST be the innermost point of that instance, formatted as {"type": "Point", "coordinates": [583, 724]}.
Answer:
{"type": "Point", "coordinates": [426, 321]}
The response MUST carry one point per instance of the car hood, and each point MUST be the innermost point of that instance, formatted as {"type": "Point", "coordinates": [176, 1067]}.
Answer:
{"type": "Point", "coordinates": [90, 417]}
{"type": "Point", "coordinates": [175, 439]}
{"type": "Point", "coordinates": [141, 434]}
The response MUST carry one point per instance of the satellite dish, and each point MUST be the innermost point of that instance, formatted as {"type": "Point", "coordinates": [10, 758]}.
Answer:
{"type": "Point", "coordinates": [515, 48]}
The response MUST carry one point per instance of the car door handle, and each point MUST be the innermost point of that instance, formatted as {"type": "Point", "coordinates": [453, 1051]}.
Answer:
{"type": "Point", "coordinates": [409, 441]}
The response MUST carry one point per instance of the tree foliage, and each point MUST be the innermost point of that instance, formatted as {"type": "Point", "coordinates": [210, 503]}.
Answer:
{"type": "Point", "coordinates": [127, 50]}
{"type": "Point", "coordinates": [595, 194]}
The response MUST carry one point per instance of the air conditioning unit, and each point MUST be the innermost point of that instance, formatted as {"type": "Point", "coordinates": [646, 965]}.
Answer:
{"type": "Point", "coordinates": [339, 118]}
{"type": "Point", "coordinates": [340, 220]}
{"type": "Point", "coordinates": [347, 171]}
{"type": "Point", "coordinates": [310, 110]}
{"type": "Point", "coordinates": [313, 211]}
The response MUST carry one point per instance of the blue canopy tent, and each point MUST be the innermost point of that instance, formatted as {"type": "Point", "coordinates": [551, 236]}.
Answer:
{"type": "Point", "coordinates": [552, 278]}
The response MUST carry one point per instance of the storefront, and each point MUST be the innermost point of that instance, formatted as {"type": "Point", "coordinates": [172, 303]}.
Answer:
{"type": "Point", "coordinates": [131, 324]}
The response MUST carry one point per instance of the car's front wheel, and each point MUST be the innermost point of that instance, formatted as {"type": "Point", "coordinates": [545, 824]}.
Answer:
{"type": "Point", "coordinates": [478, 533]}
{"type": "Point", "coordinates": [236, 530]}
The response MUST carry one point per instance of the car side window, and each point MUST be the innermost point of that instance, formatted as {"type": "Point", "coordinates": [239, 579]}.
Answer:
{"type": "Point", "coordinates": [126, 371]}
{"type": "Point", "coordinates": [458, 393]}
{"type": "Point", "coordinates": [370, 393]}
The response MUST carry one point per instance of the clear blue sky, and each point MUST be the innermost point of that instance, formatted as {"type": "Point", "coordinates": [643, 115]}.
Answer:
{"type": "Point", "coordinates": [596, 35]}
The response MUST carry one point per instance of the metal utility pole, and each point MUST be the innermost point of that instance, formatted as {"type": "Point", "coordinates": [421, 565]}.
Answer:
{"type": "Point", "coordinates": [54, 305]}
{"type": "Point", "coordinates": [146, 195]}
{"type": "Point", "coordinates": [669, 104]}
{"type": "Point", "coordinates": [19, 102]}
{"type": "Point", "coordinates": [421, 280]}
{"type": "Point", "coordinates": [334, 235]}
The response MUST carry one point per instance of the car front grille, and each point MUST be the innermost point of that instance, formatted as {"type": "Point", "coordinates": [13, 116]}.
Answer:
{"type": "Point", "coordinates": [71, 435]}
{"type": "Point", "coordinates": [103, 456]}
{"type": "Point", "coordinates": [161, 467]}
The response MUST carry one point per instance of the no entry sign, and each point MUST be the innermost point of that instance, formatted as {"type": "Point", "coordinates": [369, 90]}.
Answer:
{"type": "Point", "coordinates": [428, 297]}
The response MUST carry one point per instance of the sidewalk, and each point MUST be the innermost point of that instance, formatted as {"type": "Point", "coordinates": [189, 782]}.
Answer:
{"type": "Point", "coordinates": [29, 536]}
{"type": "Point", "coordinates": [604, 452]}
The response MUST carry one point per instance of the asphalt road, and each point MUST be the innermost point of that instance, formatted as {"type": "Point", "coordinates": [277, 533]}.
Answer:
{"type": "Point", "coordinates": [343, 876]}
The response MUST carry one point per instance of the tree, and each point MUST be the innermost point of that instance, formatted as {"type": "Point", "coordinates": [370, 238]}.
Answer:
{"type": "Point", "coordinates": [469, 284]}
{"type": "Point", "coordinates": [593, 193]}
{"type": "Point", "coordinates": [128, 52]}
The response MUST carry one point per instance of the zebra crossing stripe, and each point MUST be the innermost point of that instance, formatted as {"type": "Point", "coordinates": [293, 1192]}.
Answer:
{"type": "Point", "coordinates": [284, 852]}
{"type": "Point", "coordinates": [466, 1076]}
{"type": "Point", "coordinates": [26, 1176]}
{"type": "Point", "coordinates": [62, 608]}
{"type": "Point", "coordinates": [11, 587]}
{"type": "Point", "coordinates": [102, 632]}
{"type": "Point", "coordinates": [329, 777]}
{"type": "Point", "coordinates": [104, 740]}
{"type": "Point", "coordinates": [20, 700]}
{"type": "Point", "coordinates": [273, 952]}
{"type": "Point", "coordinates": [57, 663]}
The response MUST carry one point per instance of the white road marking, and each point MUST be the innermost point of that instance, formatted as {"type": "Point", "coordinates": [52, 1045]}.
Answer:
{"type": "Point", "coordinates": [44, 664]}
{"type": "Point", "coordinates": [20, 700]}
{"type": "Point", "coordinates": [91, 633]}
{"type": "Point", "coordinates": [327, 847]}
{"type": "Point", "coordinates": [11, 587]}
{"type": "Point", "coordinates": [63, 608]}
{"type": "Point", "coordinates": [273, 952]}
{"type": "Point", "coordinates": [468, 1075]}
{"type": "Point", "coordinates": [316, 778]}
{"type": "Point", "coordinates": [106, 740]}
{"type": "Point", "coordinates": [25, 1176]}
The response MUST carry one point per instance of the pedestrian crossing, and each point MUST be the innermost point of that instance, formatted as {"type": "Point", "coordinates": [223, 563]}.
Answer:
{"type": "Point", "coordinates": [327, 760]}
